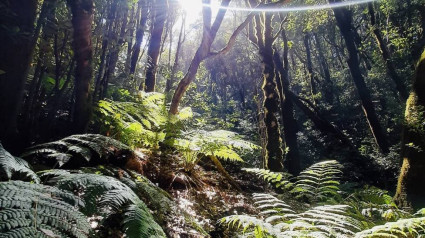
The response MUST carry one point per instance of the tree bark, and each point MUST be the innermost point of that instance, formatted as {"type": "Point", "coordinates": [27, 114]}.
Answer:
{"type": "Point", "coordinates": [139, 36]}
{"type": "Point", "coordinates": [160, 15]}
{"type": "Point", "coordinates": [391, 69]}
{"type": "Point", "coordinates": [411, 180]}
{"type": "Point", "coordinates": [82, 18]}
{"type": "Point", "coordinates": [343, 18]}
{"type": "Point", "coordinates": [309, 62]}
{"type": "Point", "coordinates": [171, 79]}
{"type": "Point", "coordinates": [15, 57]}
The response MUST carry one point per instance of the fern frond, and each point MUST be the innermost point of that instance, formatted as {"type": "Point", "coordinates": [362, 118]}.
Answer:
{"type": "Point", "coordinates": [33, 210]}
{"type": "Point", "coordinates": [78, 150]}
{"type": "Point", "coordinates": [412, 227]}
{"type": "Point", "coordinates": [277, 179]}
{"type": "Point", "coordinates": [319, 182]}
{"type": "Point", "coordinates": [107, 195]}
{"type": "Point", "coordinates": [15, 168]}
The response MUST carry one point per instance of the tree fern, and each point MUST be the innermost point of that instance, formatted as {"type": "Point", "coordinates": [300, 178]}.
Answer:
{"type": "Point", "coordinates": [15, 168]}
{"type": "Point", "coordinates": [79, 150]}
{"type": "Point", "coordinates": [32, 210]}
{"type": "Point", "coordinates": [107, 195]}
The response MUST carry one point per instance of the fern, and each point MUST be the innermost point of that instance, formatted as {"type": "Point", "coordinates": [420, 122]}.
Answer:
{"type": "Point", "coordinates": [279, 220]}
{"type": "Point", "coordinates": [108, 195]}
{"type": "Point", "coordinates": [142, 123]}
{"type": "Point", "coordinates": [15, 168]}
{"type": "Point", "coordinates": [32, 210]}
{"type": "Point", "coordinates": [410, 228]}
{"type": "Point", "coordinates": [277, 179]}
{"type": "Point", "coordinates": [79, 150]}
{"type": "Point", "coordinates": [223, 144]}
{"type": "Point", "coordinates": [319, 182]}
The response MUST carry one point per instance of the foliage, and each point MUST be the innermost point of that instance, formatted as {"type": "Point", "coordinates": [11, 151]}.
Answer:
{"type": "Point", "coordinates": [319, 182]}
{"type": "Point", "coordinates": [15, 168]}
{"type": "Point", "coordinates": [32, 210]}
{"type": "Point", "coordinates": [223, 144]}
{"type": "Point", "coordinates": [411, 227]}
{"type": "Point", "coordinates": [106, 196]}
{"type": "Point", "coordinates": [79, 150]}
{"type": "Point", "coordinates": [279, 220]}
{"type": "Point", "coordinates": [144, 122]}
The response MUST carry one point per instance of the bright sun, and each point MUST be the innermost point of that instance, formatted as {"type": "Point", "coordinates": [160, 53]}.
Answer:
{"type": "Point", "coordinates": [193, 9]}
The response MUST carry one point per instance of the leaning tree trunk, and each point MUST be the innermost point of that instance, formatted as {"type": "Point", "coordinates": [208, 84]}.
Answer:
{"type": "Point", "coordinates": [82, 18]}
{"type": "Point", "coordinates": [410, 190]}
{"type": "Point", "coordinates": [160, 10]}
{"type": "Point", "coordinates": [15, 57]}
{"type": "Point", "coordinates": [343, 18]}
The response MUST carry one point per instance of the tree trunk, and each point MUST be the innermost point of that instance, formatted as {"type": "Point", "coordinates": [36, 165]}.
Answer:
{"type": "Point", "coordinates": [309, 62]}
{"type": "Point", "coordinates": [139, 36]}
{"type": "Point", "coordinates": [328, 85]}
{"type": "Point", "coordinates": [160, 10]}
{"type": "Point", "coordinates": [208, 36]}
{"type": "Point", "coordinates": [82, 18]}
{"type": "Point", "coordinates": [411, 180]}
{"type": "Point", "coordinates": [290, 127]}
{"type": "Point", "coordinates": [15, 58]}
{"type": "Point", "coordinates": [344, 21]}
{"type": "Point", "coordinates": [171, 79]}
{"type": "Point", "coordinates": [401, 88]}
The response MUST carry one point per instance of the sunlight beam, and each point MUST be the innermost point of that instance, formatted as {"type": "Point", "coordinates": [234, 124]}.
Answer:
{"type": "Point", "coordinates": [296, 8]}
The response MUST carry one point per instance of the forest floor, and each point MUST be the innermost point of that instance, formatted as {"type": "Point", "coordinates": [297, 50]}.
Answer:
{"type": "Point", "coordinates": [203, 196]}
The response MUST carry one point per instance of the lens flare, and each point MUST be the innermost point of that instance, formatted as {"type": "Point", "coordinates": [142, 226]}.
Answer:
{"type": "Point", "coordinates": [297, 8]}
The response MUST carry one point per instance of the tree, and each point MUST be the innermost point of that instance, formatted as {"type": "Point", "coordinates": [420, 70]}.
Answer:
{"type": "Point", "coordinates": [290, 127]}
{"type": "Point", "coordinates": [208, 35]}
{"type": "Point", "coordinates": [160, 10]}
{"type": "Point", "coordinates": [82, 18]}
{"type": "Point", "coordinates": [391, 69]}
{"type": "Point", "coordinates": [141, 25]}
{"type": "Point", "coordinates": [16, 51]}
{"type": "Point", "coordinates": [410, 190]}
{"type": "Point", "coordinates": [343, 18]}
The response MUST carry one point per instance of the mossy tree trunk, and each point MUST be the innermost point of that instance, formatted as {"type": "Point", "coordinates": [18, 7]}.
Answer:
{"type": "Point", "coordinates": [410, 187]}
{"type": "Point", "coordinates": [261, 34]}
{"type": "Point", "coordinates": [290, 127]}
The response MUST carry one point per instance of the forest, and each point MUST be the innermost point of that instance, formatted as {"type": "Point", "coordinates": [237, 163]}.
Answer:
{"type": "Point", "coordinates": [212, 118]}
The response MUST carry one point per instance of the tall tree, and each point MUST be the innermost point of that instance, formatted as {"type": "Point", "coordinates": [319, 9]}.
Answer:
{"type": "Point", "coordinates": [391, 69]}
{"type": "Point", "coordinates": [209, 33]}
{"type": "Point", "coordinates": [140, 32]}
{"type": "Point", "coordinates": [15, 58]}
{"type": "Point", "coordinates": [82, 18]}
{"type": "Point", "coordinates": [290, 127]}
{"type": "Point", "coordinates": [411, 180]}
{"type": "Point", "coordinates": [344, 20]}
{"type": "Point", "coordinates": [261, 34]}
{"type": "Point", "coordinates": [159, 16]}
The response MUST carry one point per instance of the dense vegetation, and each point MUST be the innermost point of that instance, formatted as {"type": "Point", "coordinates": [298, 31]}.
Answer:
{"type": "Point", "coordinates": [208, 118]}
